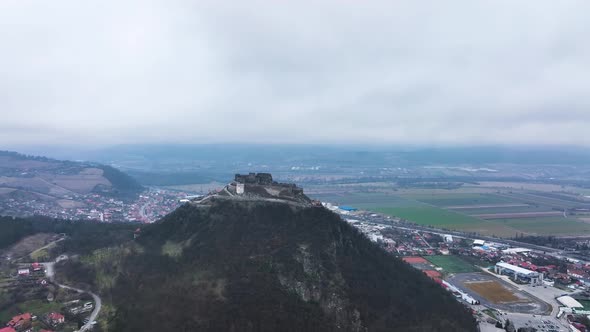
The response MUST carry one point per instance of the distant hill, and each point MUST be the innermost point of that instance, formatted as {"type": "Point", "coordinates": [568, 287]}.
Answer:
{"type": "Point", "coordinates": [50, 179]}
{"type": "Point", "coordinates": [247, 265]}
{"type": "Point", "coordinates": [178, 164]}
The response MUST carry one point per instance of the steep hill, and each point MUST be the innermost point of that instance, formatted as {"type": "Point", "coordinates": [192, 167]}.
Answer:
{"type": "Point", "coordinates": [51, 180]}
{"type": "Point", "coordinates": [237, 265]}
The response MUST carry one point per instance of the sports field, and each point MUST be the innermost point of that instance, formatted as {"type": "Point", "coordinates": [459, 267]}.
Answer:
{"type": "Point", "coordinates": [493, 291]}
{"type": "Point", "coordinates": [452, 264]}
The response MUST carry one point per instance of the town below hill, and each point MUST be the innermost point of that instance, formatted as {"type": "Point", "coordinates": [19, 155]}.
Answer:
{"type": "Point", "coordinates": [31, 185]}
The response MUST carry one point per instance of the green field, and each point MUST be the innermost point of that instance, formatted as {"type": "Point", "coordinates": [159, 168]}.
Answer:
{"type": "Point", "coordinates": [547, 225]}
{"type": "Point", "coordinates": [512, 209]}
{"type": "Point", "coordinates": [429, 215]}
{"type": "Point", "coordinates": [39, 307]}
{"type": "Point", "coordinates": [452, 264]}
{"type": "Point", "coordinates": [421, 213]}
{"type": "Point", "coordinates": [539, 200]}
{"type": "Point", "coordinates": [432, 216]}
{"type": "Point", "coordinates": [372, 200]}
{"type": "Point", "coordinates": [430, 210]}
{"type": "Point", "coordinates": [459, 199]}
{"type": "Point", "coordinates": [585, 303]}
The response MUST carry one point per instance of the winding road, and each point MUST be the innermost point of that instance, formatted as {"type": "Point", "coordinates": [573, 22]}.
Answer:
{"type": "Point", "coordinates": [50, 272]}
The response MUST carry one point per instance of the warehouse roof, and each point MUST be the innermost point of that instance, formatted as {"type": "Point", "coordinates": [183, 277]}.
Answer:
{"type": "Point", "coordinates": [515, 250]}
{"type": "Point", "coordinates": [515, 268]}
{"type": "Point", "coordinates": [569, 302]}
{"type": "Point", "coordinates": [478, 242]}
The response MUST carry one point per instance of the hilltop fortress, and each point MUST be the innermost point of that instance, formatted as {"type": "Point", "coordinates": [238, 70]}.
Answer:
{"type": "Point", "coordinates": [254, 186]}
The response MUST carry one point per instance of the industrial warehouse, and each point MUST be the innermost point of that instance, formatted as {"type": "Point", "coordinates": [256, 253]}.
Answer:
{"type": "Point", "coordinates": [519, 273]}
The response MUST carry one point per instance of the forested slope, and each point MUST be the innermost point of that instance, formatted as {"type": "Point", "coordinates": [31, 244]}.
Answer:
{"type": "Point", "coordinates": [270, 267]}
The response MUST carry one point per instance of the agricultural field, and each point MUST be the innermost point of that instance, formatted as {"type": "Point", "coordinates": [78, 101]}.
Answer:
{"type": "Point", "coordinates": [547, 225]}
{"type": "Point", "coordinates": [421, 213]}
{"type": "Point", "coordinates": [459, 199]}
{"type": "Point", "coordinates": [531, 213]}
{"type": "Point", "coordinates": [440, 218]}
{"type": "Point", "coordinates": [478, 209]}
{"type": "Point", "coordinates": [452, 264]}
{"type": "Point", "coordinates": [504, 212]}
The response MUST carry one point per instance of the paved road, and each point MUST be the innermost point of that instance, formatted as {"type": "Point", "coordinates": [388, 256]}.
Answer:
{"type": "Point", "coordinates": [142, 211]}
{"type": "Point", "coordinates": [50, 271]}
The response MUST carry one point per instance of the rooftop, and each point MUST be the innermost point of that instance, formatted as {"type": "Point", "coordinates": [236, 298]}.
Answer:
{"type": "Point", "coordinates": [515, 268]}
{"type": "Point", "coordinates": [569, 302]}
{"type": "Point", "coordinates": [515, 250]}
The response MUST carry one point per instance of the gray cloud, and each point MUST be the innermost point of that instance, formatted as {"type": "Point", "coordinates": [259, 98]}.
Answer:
{"type": "Point", "coordinates": [452, 72]}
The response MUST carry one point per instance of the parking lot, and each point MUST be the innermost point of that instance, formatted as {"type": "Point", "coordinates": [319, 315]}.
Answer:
{"type": "Point", "coordinates": [541, 323]}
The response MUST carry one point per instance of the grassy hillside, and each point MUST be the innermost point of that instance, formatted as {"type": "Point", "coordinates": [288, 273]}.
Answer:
{"type": "Point", "coordinates": [57, 178]}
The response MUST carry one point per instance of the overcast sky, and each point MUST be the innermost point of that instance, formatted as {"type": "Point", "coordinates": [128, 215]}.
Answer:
{"type": "Point", "coordinates": [419, 72]}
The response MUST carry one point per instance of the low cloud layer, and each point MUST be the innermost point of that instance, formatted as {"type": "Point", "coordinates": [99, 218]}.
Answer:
{"type": "Point", "coordinates": [415, 72]}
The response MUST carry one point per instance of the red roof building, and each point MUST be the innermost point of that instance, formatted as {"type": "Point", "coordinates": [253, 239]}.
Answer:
{"type": "Point", "coordinates": [7, 329]}
{"type": "Point", "coordinates": [20, 320]}
{"type": "Point", "coordinates": [432, 274]}
{"type": "Point", "coordinates": [56, 318]}
{"type": "Point", "coordinates": [576, 273]}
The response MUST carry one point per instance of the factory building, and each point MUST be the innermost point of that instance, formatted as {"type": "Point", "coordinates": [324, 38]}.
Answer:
{"type": "Point", "coordinates": [519, 273]}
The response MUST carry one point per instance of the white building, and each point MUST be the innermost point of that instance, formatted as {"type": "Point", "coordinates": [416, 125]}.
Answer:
{"type": "Point", "coordinates": [517, 272]}
{"type": "Point", "coordinates": [569, 302]}
{"type": "Point", "coordinates": [239, 188]}
{"type": "Point", "coordinates": [515, 250]}
{"type": "Point", "coordinates": [478, 242]}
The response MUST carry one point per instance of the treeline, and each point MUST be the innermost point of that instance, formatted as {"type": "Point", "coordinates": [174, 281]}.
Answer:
{"type": "Point", "coordinates": [547, 241]}
{"type": "Point", "coordinates": [13, 230]}
{"type": "Point", "coordinates": [123, 184]}
{"type": "Point", "coordinates": [21, 156]}
{"type": "Point", "coordinates": [82, 236]}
